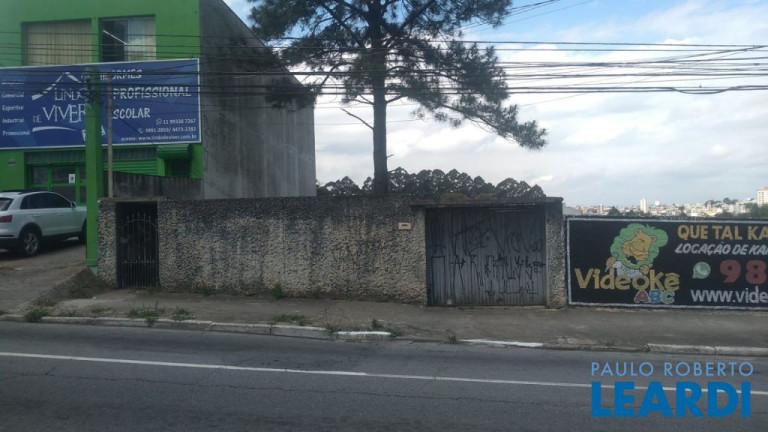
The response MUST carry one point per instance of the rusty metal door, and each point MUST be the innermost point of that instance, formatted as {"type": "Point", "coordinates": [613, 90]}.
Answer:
{"type": "Point", "coordinates": [137, 246]}
{"type": "Point", "coordinates": [486, 256]}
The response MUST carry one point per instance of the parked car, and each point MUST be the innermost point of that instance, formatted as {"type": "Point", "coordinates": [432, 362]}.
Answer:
{"type": "Point", "coordinates": [29, 218]}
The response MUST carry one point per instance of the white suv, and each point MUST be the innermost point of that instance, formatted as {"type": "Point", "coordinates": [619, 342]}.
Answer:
{"type": "Point", "coordinates": [28, 218]}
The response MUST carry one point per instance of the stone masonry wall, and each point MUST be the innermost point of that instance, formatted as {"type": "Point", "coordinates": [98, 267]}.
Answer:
{"type": "Point", "coordinates": [557, 296]}
{"type": "Point", "coordinates": [334, 247]}
{"type": "Point", "coordinates": [348, 248]}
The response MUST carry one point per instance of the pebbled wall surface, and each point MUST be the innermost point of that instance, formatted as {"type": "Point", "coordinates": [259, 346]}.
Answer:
{"type": "Point", "coordinates": [322, 247]}
{"type": "Point", "coordinates": [330, 247]}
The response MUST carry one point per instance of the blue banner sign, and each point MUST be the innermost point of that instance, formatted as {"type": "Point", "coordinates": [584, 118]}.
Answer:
{"type": "Point", "coordinates": [155, 102]}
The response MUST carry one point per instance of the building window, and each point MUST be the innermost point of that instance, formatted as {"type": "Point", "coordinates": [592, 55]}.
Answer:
{"type": "Point", "coordinates": [128, 39]}
{"type": "Point", "coordinates": [177, 168]}
{"type": "Point", "coordinates": [57, 43]}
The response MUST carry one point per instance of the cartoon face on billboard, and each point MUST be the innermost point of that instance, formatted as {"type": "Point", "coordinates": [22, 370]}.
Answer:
{"type": "Point", "coordinates": [635, 248]}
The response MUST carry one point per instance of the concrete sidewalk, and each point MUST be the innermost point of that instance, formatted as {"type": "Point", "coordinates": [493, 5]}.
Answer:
{"type": "Point", "coordinates": [699, 331]}
{"type": "Point", "coordinates": [22, 280]}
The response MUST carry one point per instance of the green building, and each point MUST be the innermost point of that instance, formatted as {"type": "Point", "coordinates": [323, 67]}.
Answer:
{"type": "Point", "coordinates": [248, 148]}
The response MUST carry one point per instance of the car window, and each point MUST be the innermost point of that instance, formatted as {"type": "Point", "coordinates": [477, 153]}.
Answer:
{"type": "Point", "coordinates": [29, 202]}
{"type": "Point", "coordinates": [56, 201]}
{"type": "Point", "coordinates": [5, 203]}
{"type": "Point", "coordinates": [48, 200]}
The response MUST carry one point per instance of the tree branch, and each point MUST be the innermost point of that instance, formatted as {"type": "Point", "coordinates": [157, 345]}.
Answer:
{"type": "Point", "coordinates": [363, 121]}
{"type": "Point", "coordinates": [341, 22]}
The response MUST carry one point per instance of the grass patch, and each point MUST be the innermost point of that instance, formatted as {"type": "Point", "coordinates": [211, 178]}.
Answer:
{"type": "Point", "coordinates": [291, 318]}
{"type": "Point", "coordinates": [4, 269]}
{"type": "Point", "coordinates": [331, 329]}
{"type": "Point", "coordinates": [316, 293]}
{"type": "Point", "coordinates": [203, 289]}
{"type": "Point", "coordinates": [150, 314]}
{"type": "Point", "coordinates": [181, 314]}
{"type": "Point", "coordinates": [277, 292]}
{"type": "Point", "coordinates": [45, 302]}
{"type": "Point", "coordinates": [101, 311]}
{"type": "Point", "coordinates": [67, 312]}
{"type": "Point", "coordinates": [37, 314]}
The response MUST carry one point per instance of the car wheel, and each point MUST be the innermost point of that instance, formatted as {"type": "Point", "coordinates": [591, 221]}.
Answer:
{"type": "Point", "coordinates": [83, 234]}
{"type": "Point", "coordinates": [29, 242]}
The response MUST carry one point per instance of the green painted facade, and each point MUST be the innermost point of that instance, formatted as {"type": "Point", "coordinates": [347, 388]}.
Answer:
{"type": "Point", "coordinates": [177, 24]}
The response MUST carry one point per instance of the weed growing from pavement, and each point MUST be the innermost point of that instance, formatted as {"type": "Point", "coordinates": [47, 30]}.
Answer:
{"type": "Point", "coordinates": [181, 314]}
{"type": "Point", "coordinates": [150, 314]}
{"type": "Point", "coordinates": [291, 318]}
{"type": "Point", "coordinates": [2, 312]}
{"type": "Point", "coordinates": [451, 337]}
{"type": "Point", "coordinates": [277, 292]}
{"type": "Point", "coordinates": [377, 325]}
{"type": "Point", "coordinates": [37, 314]}
{"type": "Point", "coordinates": [393, 333]}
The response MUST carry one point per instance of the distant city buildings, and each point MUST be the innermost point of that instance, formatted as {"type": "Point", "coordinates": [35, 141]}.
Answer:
{"type": "Point", "coordinates": [762, 196]}
{"type": "Point", "coordinates": [711, 208]}
{"type": "Point", "coordinates": [708, 209]}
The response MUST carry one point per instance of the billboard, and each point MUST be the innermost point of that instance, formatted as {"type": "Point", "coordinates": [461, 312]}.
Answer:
{"type": "Point", "coordinates": [665, 263]}
{"type": "Point", "coordinates": [155, 102]}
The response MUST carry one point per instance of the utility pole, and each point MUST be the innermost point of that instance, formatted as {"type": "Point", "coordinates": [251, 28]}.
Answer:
{"type": "Point", "coordinates": [94, 167]}
{"type": "Point", "coordinates": [110, 188]}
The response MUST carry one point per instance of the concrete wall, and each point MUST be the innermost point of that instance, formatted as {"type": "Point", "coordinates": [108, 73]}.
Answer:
{"type": "Point", "coordinates": [108, 241]}
{"type": "Point", "coordinates": [312, 247]}
{"type": "Point", "coordinates": [140, 185]}
{"type": "Point", "coordinates": [557, 296]}
{"type": "Point", "coordinates": [329, 247]}
{"type": "Point", "coordinates": [250, 149]}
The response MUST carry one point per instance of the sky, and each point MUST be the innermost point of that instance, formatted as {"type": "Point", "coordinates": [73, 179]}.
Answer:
{"type": "Point", "coordinates": [610, 149]}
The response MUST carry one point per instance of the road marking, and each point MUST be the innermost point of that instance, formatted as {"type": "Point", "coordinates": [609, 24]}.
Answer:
{"type": "Point", "coordinates": [320, 372]}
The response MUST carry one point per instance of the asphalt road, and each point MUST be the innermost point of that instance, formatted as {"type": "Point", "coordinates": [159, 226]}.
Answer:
{"type": "Point", "coordinates": [82, 378]}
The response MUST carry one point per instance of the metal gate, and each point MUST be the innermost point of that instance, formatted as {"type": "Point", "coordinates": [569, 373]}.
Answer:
{"type": "Point", "coordinates": [137, 246]}
{"type": "Point", "coordinates": [486, 256]}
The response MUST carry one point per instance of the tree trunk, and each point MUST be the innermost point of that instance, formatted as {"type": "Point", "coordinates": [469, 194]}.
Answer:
{"type": "Point", "coordinates": [379, 87]}
{"type": "Point", "coordinates": [380, 171]}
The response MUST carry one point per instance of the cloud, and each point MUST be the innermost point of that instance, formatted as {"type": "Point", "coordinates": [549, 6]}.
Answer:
{"type": "Point", "coordinates": [603, 148]}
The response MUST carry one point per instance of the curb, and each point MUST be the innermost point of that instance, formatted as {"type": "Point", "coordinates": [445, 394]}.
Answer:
{"type": "Point", "coordinates": [653, 348]}
{"type": "Point", "coordinates": [321, 333]}
{"type": "Point", "coordinates": [299, 331]}
{"type": "Point", "coordinates": [363, 335]}
{"type": "Point", "coordinates": [67, 320]}
{"type": "Point", "coordinates": [709, 350]}
{"type": "Point", "coordinates": [305, 332]}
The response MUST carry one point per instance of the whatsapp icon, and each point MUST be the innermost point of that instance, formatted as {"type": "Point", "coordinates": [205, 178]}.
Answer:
{"type": "Point", "coordinates": [701, 270]}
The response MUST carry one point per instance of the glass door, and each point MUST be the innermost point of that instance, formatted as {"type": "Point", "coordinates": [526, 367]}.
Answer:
{"type": "Point", "coordinates": [67, 180]}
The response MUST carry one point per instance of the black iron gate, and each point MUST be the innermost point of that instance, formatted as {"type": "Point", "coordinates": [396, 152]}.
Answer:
{"type": "Point", "coordinates": [137, 246]}
{"type": "Point", "coordinates": [486, 256]}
